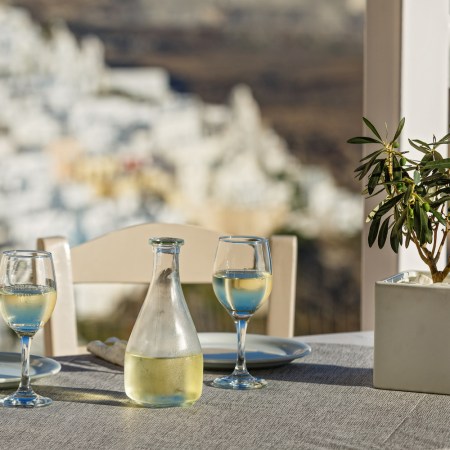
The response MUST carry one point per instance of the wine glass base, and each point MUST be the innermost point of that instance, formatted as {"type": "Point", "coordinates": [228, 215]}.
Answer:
{"type": "Point", "coordinates": [25, 401]}
{"type": "Point", "coordinates": [239, 382]}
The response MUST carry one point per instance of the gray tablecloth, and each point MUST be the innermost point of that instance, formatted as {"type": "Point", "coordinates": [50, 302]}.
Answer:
{"type": "Point", "coordinates": [325, 400]}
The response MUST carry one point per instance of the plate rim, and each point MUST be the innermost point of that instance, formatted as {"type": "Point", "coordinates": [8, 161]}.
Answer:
{"type": "Point", "coordinates": [55, 367]}
{"type": "Point", "coordinates": [256, 362]}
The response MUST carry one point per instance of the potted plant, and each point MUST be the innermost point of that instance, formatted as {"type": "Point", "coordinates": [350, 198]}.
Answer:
{"type": "Point", "coordinates": [412, 309]}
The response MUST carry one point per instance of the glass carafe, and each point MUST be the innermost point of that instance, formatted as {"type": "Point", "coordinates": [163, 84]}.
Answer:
{"type": "Point", "coordinates": [163, 359]}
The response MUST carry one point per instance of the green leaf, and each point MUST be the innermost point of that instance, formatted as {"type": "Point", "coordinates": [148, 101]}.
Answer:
{"type": "Point", "coordinates": [426, 158]}
{"type": "Point", "coordinates": [422, 143]}
{"type": "Point", "coordinates": [372, 128]}
{"type": "Point", "coordinates": [437, 156]}
{"type": "Point", "coordinates": [399, 129]}
{"type": "Point", "coordinates": [373, 230]}
{"type": "Point", "coordinates": [397, 168]}
{"type": "Point", "coordinates": [443, 140]}
{"type": "Point", "coordinates": [376, 193]}
{"type": "Point", "coordinates": [397, 231]}
{"type": "Point", "coordinates": [426, 224]}
{"type": "Point", "coordinates": [441, 164]}
{"type": "Point", "coordinates": [361, 167]}
{"type": "Point", "coordinates": [409, 224]}
{"type": "Point", "coordinates": [407, 240]}
{"type": "Point", "coordinates": [363, 140]}
{"type": "Point", "coordinates": [416, 177]}
{"type": "Point", "coordinates": [378, 152]}
{"type": "Point", "coordinates": [407, 195]}
{"type": "Point", "coordinates": [433, 179]}
{"type": "Point", "coordinates": [375, 177]}
{"type": "Point", "coordinates": [426, 173]}
{"type": "Point", "coordinates": [420, 223]}
{"type": "Point", "coordinates": [394, 241]}
{"type": "Point", "coordinates": [382, 235]}
{"type": "Point", "coordinates": [438, 216]}
{"type": "Point", "coordinates": [440, 201]}
{"type": "Point", "coordinates": [372, 213]}
{"type": "Point", "coordinates": [418, 147]}
{"type": "Point", "coordinates": [429, 235]}
{"type": "Point", "coordinates": [367, 167]}
{"type": "Point", "coordinates": [398, 224]}
{"type": "Point", "coordinates": [386, 206]}
{"type": "Point", "coordinates": [445, 190]}
{"type": "Point", "coordinates": [368, 163]}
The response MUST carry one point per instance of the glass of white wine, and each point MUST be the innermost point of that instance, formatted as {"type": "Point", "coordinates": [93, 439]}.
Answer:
{"type": "Point", "coordinates": [242, 282]}
{"type": "Point", "coordinates": [27, 300]}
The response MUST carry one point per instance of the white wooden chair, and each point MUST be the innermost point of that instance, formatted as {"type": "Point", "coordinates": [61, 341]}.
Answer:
{"type": "Point", "coordinates": [124, 256]}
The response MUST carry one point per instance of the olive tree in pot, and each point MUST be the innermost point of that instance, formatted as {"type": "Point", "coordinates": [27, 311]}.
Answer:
{"type": "Point", "coordinates": [412, 309]}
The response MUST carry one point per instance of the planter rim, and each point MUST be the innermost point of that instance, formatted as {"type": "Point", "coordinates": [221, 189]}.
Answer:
{"type": "Point", "coordinates": [407, 279]}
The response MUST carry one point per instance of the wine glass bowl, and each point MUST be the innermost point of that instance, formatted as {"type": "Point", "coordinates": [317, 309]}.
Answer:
{"type": "Point", "coordinates": [242, 292]}
{"type": "Point", "coordinates": [27, 300]}
{"type": "Point", "coordinates": [242, 282]}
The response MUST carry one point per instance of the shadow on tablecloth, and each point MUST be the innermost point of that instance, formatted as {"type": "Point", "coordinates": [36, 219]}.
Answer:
{"type": "Point", "coordinates": [322, 374]}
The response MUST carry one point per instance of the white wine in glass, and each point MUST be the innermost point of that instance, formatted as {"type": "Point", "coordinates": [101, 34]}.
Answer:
{"type": "Point", "coordinates": [27, 300]}
{"type": "Point", "coordinates": [242, 282]}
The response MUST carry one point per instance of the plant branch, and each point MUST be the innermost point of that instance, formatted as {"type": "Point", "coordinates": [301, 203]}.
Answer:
{"type": "Point", "coordinates": [435, 238]}
{"type": "Point", "coordinates": [441, 245]}
{"type": "Point", "coordinates": [424, 253]}
{"type": "Point", "coordinates": [446, 270]}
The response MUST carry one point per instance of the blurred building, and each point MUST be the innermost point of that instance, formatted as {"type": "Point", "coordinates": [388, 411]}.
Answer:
{"type": "Point", "coordinates": [85, 149]}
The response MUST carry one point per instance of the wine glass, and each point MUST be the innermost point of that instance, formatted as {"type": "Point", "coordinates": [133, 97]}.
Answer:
{"type": "Point", "coordinates": [27, 300]}
{"type": "Point", "coordinates": [242, 281]}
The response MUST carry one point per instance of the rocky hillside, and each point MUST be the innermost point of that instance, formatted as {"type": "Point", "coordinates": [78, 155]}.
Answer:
{"type": "Point", "coordinates": [303, 60]}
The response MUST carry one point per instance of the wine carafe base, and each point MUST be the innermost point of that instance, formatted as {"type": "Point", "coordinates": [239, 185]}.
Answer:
{"type": "Point", "coordinates": [163, 403]}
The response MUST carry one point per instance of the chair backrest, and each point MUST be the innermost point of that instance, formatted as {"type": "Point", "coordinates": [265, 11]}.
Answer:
{"type": "Point", "coordinates": [123, 256]}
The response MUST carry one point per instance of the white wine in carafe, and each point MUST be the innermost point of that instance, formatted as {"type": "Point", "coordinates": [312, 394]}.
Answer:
{"type": "Point", "coordinates": [160, 382]}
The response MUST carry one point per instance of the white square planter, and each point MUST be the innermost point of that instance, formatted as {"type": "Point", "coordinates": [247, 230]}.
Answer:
{"type": "Point", "coordinates": [412, 335]}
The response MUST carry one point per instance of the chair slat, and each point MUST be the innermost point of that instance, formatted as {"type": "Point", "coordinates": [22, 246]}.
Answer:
{"type": "Point", "coordinates": [124, 256]}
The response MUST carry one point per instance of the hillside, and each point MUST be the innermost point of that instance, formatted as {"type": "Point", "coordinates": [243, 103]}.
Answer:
{"type": "Point", "coordinates": [304, 65]}
{"type": "Point", "coordinates": [308, 83]}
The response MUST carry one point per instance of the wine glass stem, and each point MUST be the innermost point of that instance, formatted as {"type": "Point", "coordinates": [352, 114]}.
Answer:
{"type": "Point", "coordinates": [241, 329]}
{"type": "Point", "coordinates": [25, 358]}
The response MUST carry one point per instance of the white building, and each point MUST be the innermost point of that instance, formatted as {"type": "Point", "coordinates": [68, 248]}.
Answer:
{"type": "Point", "coordinates": [219, 160]}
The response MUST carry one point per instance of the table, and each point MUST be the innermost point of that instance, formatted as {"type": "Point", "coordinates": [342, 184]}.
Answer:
{"type": "Point", "coordinates": [325, 400]}
{"type": "Point", "coordinates": [365, 338]}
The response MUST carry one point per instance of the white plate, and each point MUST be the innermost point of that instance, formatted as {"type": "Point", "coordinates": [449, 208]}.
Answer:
{"type": "Point", "coordinates": [219, 350]}
{"type": "Point", "coordinates": [10, 368]}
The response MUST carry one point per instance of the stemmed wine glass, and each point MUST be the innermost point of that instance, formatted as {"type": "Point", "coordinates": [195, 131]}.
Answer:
{"type": "Point", "coordinates": [27, 300]}
{"type": "Point", "coordinates": [242, 281]}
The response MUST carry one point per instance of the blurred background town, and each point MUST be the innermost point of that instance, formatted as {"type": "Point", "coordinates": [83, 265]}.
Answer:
{"type": "Point", "coordinates": [228, 114]}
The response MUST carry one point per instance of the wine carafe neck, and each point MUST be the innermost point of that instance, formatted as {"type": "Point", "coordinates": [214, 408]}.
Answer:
{"type": "Point", "coordinates": [165, 264]}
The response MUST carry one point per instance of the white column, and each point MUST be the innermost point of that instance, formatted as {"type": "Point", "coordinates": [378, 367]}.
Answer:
{"type": "Point", "coordinates": [405, 75]}
{"type": "Point", "coordinates": [424, 82]}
